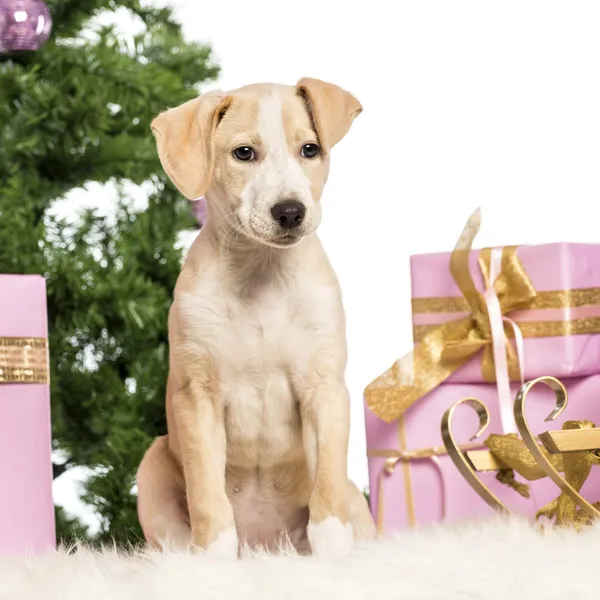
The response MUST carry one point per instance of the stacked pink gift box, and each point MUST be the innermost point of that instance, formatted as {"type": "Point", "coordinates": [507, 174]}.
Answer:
{"type": "Point", "coordinates": [26, 507]}
{"type": "Point", "coordinates": [413, 481]}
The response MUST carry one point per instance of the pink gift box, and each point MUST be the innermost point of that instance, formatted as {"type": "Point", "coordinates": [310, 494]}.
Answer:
{"type": "Point", "coordinates": [26, 507]}
{"type": "Point", "coordinates": [424, 491]}
{"type": "Point", "coordinates": [550, 267]}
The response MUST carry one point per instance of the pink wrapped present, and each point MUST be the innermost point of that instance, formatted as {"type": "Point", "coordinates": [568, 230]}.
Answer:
{"type": "Point", "coordinates": [26, 507]}
{"type": "Point", "coordinates": [426, 487]}
{"type": "Point", "coordinates": [494, 315]}
{"type": "Point", "coordinates": [469, 305]}
{"type": "Point", "coordinates": [560, 323]}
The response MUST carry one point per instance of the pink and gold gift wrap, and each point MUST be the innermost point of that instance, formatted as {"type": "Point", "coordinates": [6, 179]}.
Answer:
{"type": "Point", "coordinates": [560, 322]}
{"type": "Point", "coordinates": [413, 481]}
{"type": "Point", "coordinates": [26, 507]}
{"type": "Point", "coordinates": [482, 319]}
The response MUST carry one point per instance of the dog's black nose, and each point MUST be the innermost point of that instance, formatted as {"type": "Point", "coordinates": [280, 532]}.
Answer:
{"type": "Point", "coordinates": [289, 213]}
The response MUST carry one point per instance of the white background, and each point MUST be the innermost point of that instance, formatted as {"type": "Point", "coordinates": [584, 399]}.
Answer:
{"type": "Point", "coordinates": [466, 104]}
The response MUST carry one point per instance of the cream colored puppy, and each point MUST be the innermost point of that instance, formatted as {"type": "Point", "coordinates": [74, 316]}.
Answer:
{"type": "Point", "coordinates": [257, 407]}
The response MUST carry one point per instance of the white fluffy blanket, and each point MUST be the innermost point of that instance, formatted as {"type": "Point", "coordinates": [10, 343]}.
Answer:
{"type": "Point", "coordinates": [505, 560]}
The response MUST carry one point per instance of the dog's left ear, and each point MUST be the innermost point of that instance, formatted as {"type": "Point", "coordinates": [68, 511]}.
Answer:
{"type": "Point", "coordinates": [332, 109]}
{"type": "Point", "coordinates": [184, 139]}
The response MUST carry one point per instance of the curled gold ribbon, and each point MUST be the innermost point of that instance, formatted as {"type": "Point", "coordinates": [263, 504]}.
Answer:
{"type": "Point", "coordinates": [23, 360]}
{"type": "Point", "coordinates": [447, 347]}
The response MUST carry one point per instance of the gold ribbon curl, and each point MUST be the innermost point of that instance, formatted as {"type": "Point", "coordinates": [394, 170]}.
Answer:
{"type": "Point", "coordinates": [448, 347]}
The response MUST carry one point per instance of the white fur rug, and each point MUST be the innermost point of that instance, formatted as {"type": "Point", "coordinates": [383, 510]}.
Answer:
{"type": "Point", "coordinates": [505, 560]}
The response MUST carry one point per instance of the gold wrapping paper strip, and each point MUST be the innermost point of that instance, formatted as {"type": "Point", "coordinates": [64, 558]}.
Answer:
{"type": "Point", "coordinates": [449, 346]}
{"type": "Point", "coordinates": [24, 360]}
{"type": "Point", "coordinates": [533, 329]}
{"type": "Point", "coordinates": [552, 299]}
{"type": "Point", "coordinates": [410, 455]}
{"type": "Point", "coordinates": [388, 469]}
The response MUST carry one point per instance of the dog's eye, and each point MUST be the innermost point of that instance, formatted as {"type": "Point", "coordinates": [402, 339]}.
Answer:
{"type": "Point", "coordinates": [244, 153]}
{"type": "Point", "coordinates": [310, 150]}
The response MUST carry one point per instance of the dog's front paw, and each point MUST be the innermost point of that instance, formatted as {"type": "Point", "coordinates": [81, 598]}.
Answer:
{"type": "Point", "coordinates": [225, 545]}
{"type": "Point", "coordinates": [330, 538]}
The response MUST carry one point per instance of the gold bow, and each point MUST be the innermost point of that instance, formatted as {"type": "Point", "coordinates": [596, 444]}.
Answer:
{"type": "Point", "coordinates": [448, 347]}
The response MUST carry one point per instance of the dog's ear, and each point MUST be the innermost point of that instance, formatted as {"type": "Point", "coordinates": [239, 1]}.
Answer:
{"type": "Point", "coordinates": [332, 109]}
{"type": "Point", "coordinates": [184, 139]}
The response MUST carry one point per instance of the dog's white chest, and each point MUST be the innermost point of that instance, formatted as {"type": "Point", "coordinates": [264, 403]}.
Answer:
{"type": "Point", "coordinates": [266, 352]}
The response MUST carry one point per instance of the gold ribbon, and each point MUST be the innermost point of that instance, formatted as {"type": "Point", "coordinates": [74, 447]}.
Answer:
{"type": "Point", "coordinates": [554, 299]}
{"type": "Point", "coordinates": [388, 469]}
{"type": "Point", "coordinates": [389, 466]}
{"type": "Point", "coordinates": [534, 329]}
{"type": "Point", "coordinates": [447, 347]}
{"type": "Point", "coordinates": [24, 360]}
{"type": "Point", "coordinates": [392, 459]}
{"type": "Point", "coordinates": [513, 452]}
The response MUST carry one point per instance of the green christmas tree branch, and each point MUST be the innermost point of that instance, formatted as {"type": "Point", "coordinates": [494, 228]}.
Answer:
{"type": "Point", "coordinates": [75, 113]}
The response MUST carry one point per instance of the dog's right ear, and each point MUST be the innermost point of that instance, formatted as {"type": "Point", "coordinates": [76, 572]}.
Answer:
{"type": "Point", "coordinates": [185, 141]}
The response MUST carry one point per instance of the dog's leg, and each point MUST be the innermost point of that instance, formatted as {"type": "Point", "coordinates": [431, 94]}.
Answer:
{"type": "Point", "coordinates": [201, 429]}
{"type": "Point", "coordinates": [325, 430]}
{"type": "Point", "coordinates": [161, 499]}
{"type": "Point", "coordinates": [360, 515]}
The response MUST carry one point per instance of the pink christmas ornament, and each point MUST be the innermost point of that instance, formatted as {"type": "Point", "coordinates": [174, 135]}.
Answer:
{"type": "Point", "coordinates": [24, 25]}
{"type": "Point", "coordinates": [199, 208]}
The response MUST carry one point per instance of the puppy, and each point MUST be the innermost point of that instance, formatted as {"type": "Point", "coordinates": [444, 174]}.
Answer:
{"type": "Point", "coordinates": [257, 409]}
